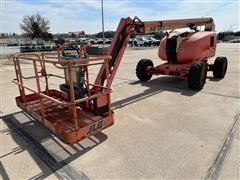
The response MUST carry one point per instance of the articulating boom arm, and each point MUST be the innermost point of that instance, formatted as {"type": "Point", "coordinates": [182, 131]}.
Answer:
{"type": "Point", "coordinates": [116, 50]}
{"type": "Point", "coordinates": [127, 26]}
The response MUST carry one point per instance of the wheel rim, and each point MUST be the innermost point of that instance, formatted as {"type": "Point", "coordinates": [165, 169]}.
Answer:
{"type": "Point", "coordinates": [146, 72]}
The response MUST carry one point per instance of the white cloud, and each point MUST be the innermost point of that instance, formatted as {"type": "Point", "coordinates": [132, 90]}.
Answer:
{"type": "Point", "coordinates": [85, 15]}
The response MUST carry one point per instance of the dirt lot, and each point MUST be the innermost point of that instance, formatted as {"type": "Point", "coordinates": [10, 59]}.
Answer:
{"type": "Point", "coordinates": [162, 129]}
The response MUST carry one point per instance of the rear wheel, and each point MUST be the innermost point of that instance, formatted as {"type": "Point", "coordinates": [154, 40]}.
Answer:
{"type": "Point", "coordinates": [220, 67]}
{"type": "Point", "coordinates": [197, 75]}
{"type": "Point", "coordinates": [141, 69]}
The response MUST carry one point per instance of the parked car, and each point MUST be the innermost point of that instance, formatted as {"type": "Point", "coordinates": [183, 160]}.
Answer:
{"type": "Point", "coordinates": [82, 40]}
{"type": "Point", "coordinates": [69, 40]}
{"type": "Point", "coordinates": [154, 42]}
{"type": "Point", "coordinates": [142, 41]}
{"type": "Point", "coordinates": [99, 41]}
{"type": "Point", "coordinates": [108, 41]}
{"type": "Point", "coordinates": [54, 47]}
{"type": "Point", "coordinates": [92, 41]}
{"type": "Point", "coordinates": [131, 42]}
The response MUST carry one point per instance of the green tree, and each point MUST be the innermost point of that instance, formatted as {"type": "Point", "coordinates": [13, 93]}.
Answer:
{"type": "Point", "coordinates": [35, 25]}
{"type": "Point", "coordinates": [107, 34]}
{"type": "Point", "coordinates": [47, 36]}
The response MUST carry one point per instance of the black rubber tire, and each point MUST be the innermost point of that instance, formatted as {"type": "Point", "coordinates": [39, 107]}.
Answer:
{"type": "Point", "coordinates": [220, 67]}
{"type": "Point", "coordinates": [197, 75]}
{"type": "Point", "coordinates": [141, 68]}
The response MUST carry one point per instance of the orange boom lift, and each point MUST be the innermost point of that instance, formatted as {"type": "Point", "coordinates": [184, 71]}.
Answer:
{"type": "Point", "coordinates": [82, 108]}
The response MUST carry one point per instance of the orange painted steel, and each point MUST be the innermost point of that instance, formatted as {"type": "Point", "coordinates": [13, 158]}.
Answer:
{"type": "Point", "coordinates": [153, 26]}
{"type": "Point", "coordinates": [127, 26]}
{"type": "Point", "coordinates": [195, 46]}
{"type": "Point", "coordinates": [73, 118]}
{"type": "Point", "coordinates": [70, 119]}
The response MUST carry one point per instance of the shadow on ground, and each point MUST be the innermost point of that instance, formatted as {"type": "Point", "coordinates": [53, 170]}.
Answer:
{"type": "Point", "coordinates": [161, 84]}
{"type": "Point", "coordinates": [155, 86]}
{"type": "Point", "coordinates": [214, 79]}
{"type": "Point", "coordinates": [51, 155]}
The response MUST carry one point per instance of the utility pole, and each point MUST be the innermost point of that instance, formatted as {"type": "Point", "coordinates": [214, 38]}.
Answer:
{"type": "Point", "coordinates": [102, 23]}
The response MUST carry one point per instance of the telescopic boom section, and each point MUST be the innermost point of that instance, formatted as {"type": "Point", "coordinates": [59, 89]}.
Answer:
{"type": "Point", "coordinates": [128, 25]}
{"type": "Point", "coordinates": [156, 26]}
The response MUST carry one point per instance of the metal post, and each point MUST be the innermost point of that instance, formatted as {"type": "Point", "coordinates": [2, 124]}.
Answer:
{"type": "Point", "coordinates": [20, 79]}
{"type": "Point", "coordinates": [103, 37]}
{"type": "Point", "coordinates": [39, 91]}
{"type": "Point", "coordinates": [44, 73]}
{"type": "Point", "coordinates": [21, 89]}
{"type": "Point", "coordinates": [72, 94]}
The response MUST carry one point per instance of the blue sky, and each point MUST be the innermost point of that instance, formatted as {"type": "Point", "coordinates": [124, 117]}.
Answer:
{"type": "Point", "coordinates": [77, 15]}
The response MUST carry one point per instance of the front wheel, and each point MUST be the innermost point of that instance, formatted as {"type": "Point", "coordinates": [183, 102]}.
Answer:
{"type": "Point", "coordinates": [220, 67]}
{"type": "Point", "coordinates": [141, 69]}
{"type": "Point", "coordinates": [197, 75]}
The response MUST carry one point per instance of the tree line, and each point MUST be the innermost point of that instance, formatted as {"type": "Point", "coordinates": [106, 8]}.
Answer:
{"type": "Point", "coordinates": [36, 26]}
